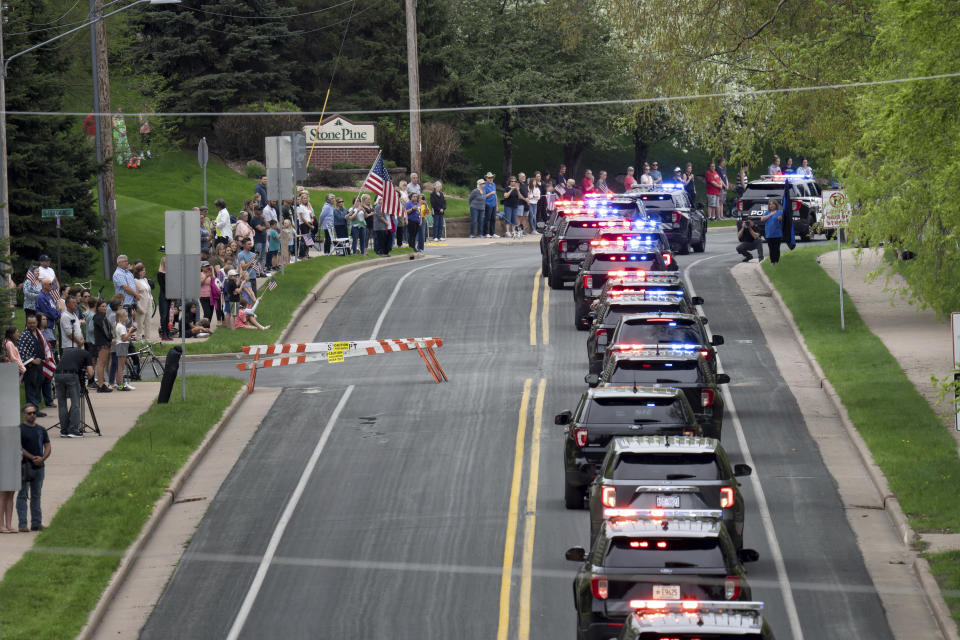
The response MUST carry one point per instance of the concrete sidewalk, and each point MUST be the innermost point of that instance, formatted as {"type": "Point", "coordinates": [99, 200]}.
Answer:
{"type": "Point", "coordinates": [71, 458]}
{"type": "Point", "coordinates": [920, 342]}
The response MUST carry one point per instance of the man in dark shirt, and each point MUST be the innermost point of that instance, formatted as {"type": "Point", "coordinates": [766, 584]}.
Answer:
{"type": "Point", "coordinates": [36, 449]}
{"type": "Point", "coordinates": [259, 225]}
{"type": "Point", "coordinates": [73, 362]}
{"type": "Point", "coordinates": [231, 291]}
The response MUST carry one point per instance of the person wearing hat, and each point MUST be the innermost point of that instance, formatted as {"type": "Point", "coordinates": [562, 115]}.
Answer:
{"type": "Point", "coordinates": [490, 207]}
{"type": "Point", "coordinates": [47, 272]}
{"type": "Point", "coordinates": [678, 176]}
{"type": "Point", "coordinates": [231, 292]}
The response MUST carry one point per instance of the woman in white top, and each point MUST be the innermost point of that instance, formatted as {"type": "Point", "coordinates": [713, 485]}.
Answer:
{"type": "Point", "coordinates": [144, 310]}
{"type": "Point", "coordinates": [533, 197]}
{"type": "Point", "coordinates": [122, 347]}
{"type": "Point", "coordinates": [307, 224]}
{"type": "Point", "coordinates": [645, 177]}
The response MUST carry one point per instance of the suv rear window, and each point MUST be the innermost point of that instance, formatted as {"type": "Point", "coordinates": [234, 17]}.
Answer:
{"type": "Point", "coordinates": [666, 466]}
{"type": "Point", "coordinates": [614, 314]}
{"type": "Point", "coordinates": [642, 332]}
{"type": "Point", "coordinates": [635, 411]}
{"type": "Point", "coordinates": [678, 553]}
{"type": "Point", "coordinates": [657, 372]}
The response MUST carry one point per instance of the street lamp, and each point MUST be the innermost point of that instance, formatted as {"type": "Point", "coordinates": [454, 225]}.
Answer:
{"type": "Point", "coordinates": [4, 193]}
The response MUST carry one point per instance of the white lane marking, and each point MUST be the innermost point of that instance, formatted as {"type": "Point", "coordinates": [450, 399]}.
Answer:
{"type": "Point", "coordinates": [285, 518]}
{"type": "Point", "coordinates": [396, 290]}
{"type": "Point", "coordinates": [762, 505]}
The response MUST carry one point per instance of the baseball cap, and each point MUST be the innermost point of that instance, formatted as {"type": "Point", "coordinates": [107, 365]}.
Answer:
{"type": "Point", "coordinates": [44, 258]}
{"type": "Point", "coordinates": [677, 170]}
{"type": "Point", "coordinates": [232, 272]}
{"type": "Point", "coordinates": [204, 263]}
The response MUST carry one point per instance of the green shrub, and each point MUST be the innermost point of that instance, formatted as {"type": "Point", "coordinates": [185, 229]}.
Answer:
{"type": "Point", "coordinates": [254, 169]}
{"type": "Point", "coordinates": [344, 165]}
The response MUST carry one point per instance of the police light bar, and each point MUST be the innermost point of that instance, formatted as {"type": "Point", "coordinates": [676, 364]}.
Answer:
{"type": "Point", "coordinates": [660, 348]}
{"type": "Point", "coordinates": [700, 606]}
{"type": "Point", "coordinates": [642, 295]}
{"type": "Point", "coordinates": [672, 186]}
{"type": "Point", "coordinates": [665, 514]}
{"type": "Point", "coordinates": [785, 177]}
{"type": "Point", "coordinates": [641, 223]}
{"type": "Point", "coordinates": [597, 196]}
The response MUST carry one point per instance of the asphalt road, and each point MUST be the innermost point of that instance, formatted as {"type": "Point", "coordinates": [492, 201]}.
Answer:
{"type": "Point", "coordinates": [401, 527]}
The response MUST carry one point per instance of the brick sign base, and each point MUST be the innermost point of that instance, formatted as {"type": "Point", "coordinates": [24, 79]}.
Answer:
{"type": "Point", "coordinates": [324, 156]}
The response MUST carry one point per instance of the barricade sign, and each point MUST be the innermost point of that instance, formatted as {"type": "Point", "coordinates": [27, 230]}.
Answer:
{"type": "Point", "coordinates": [278, 355]}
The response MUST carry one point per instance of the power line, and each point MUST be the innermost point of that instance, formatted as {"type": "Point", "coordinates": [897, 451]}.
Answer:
{"type": "Point", "coordinates": [540, 105]}
{"type": "Point", "coordinates": [292, 15]}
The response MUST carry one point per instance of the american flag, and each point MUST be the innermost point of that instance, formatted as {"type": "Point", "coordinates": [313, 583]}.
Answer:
{"type": "Point", "coordinates": [49, 364]}
{"type": "Point", "coordinates": [32, 277]}
{"type": "Point", "coordinates": [55, 294]}
{"type": "Point", "coordinates": [272, 285]}
{"type": "Point", "coordinates": [378, 181]}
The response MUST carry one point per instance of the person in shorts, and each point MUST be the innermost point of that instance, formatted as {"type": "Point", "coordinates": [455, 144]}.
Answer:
{"type": "Point", "coordinates": [714, 192]}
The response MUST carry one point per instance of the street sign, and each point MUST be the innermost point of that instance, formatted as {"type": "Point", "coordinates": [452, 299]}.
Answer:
{"type": "Point", "coordinates": [836, 210]}
{"type": "Point", "coordinates": [56, 213]}
{"type": "Point", "coordinates": [280, 171]}
{"type": "Point", "coordinates": [203, 155]}
{"type": "Point", "coordinates": [299, 154]}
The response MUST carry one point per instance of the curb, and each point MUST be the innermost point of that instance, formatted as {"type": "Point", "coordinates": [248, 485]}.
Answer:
{"type": "Point", "coordinates": [931, 590]}
{"type": "Point", "coordinates": [180, 478]}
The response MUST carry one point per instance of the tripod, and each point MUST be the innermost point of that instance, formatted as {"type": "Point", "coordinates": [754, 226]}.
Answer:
{"type": "Point", "coordinates": [85, 404]}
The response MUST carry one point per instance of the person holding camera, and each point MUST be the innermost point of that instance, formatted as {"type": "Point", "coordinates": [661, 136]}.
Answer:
{"type": "Point", "coordinates": [750, 240]}
{"type": "Point", "coordinates": [74, 362]}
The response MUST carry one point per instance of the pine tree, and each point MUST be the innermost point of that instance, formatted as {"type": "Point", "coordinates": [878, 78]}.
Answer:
{"type": "Point", "coordinates": [49, 164]}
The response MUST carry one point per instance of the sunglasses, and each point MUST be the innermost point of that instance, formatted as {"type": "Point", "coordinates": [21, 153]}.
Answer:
{"type": "Point", "coordinates": [29, 413]}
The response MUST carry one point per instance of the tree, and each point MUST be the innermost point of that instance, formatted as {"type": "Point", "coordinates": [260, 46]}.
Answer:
{"type": "Point", "coordinates": [902, 172]}
{"type": "Point", "coordinates": [50, 166]}
{"type": "Point", "coordinates": [217, 56]}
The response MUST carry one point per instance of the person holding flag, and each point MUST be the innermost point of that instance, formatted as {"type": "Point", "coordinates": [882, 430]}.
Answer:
{"type": "Point", "coordinates": [388, 204]}
{"type": "Point", "coordinates": [31, 289]}
{"type": "Point", "coordinates": [773, 229]}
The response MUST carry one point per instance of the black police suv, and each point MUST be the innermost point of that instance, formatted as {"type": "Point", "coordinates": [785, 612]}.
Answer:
{"type": "Point", "coordinates": [685, 226]}
{"type": "Point", "coordinates": [641, 475]}
{"type": "Point", "coordinates": [604, 413]}
{"type": "Point", "coordinates": [599, 264]}
{"type": "Point", "coordinates": [805, 194]}
{"type": "Point", "coordinates": [667, 330]}
{"type": "Point", "coordinates": [700, 619]}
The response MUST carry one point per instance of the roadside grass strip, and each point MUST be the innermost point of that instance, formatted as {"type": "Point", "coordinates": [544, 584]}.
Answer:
{"type": "Point", "coordinates": [945, 567]}
{"type": "Point", "coordinates": [726, 222]}
{"type": "Point", "coordinates": [50, 592]}
{"type": "Point", "coordinates": [906, 437]}
{"type": "Point", "coordinates": [277, 307]}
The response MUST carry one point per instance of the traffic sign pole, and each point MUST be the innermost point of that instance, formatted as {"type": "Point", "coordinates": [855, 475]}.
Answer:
{"type": "Point", "coordinates": [57, 213]}
{"type": "Point", "coordinates": [203, 154]}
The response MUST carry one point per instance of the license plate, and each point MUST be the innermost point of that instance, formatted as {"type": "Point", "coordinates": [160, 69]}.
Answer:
{"type": "Point", "coordinates": [666, 592]}
{"type": "Point", "coordinates": [576, 255]}
{"type": "Point", "coordinates": [668, 502]}
{"type": "Point", "coordinates": [584, 246]}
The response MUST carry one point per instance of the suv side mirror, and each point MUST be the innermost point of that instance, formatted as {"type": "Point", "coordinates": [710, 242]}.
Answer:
{"type": "Point", "coordinates": [704, 320]}
{"type": "Point", "coordinates": [717, 340]}
{"type": "Point", "coordinates": [579, 554]}
{"type": "Point", "coordinates": [541, 226]}
{"type": "Point", "coordinates": [740, 470]}
{"type": "Point", "coordinates": [696, 300]}
{"type": "Point", "coordinates": [746, 555]}
{"type": "Point", "coordinates": [592, 379]}
{"type": "Point", "coordinates": [723, 378]}
{"type": "Point", "coordinates": [562, 418]}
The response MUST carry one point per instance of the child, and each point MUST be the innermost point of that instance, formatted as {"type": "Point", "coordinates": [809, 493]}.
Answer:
{"type": "Point", "coordinates": [286, 243]}
{"type": "Point", "coordinates": [121, 347]}
{"type": "Point", "coordinates": [231, 294]}
{"type": "Point", "coordinates": [273, 245]}
{"type": "Point", "coordinates": [247, 317]}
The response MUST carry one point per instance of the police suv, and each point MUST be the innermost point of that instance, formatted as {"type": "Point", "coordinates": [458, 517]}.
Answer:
{"type": "Point", "coordinates": [805, 195]}
{"type": "Point", "coordinates": [701, 619]}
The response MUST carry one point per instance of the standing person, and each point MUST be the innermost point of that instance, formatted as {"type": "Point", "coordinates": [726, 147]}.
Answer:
{"type": "Point", "coordinates": [35, 444]}
{"type": "Point", "coordinates": [242, 230]}
{"type": "Point", "coordinates": [357, 217]}
{"type": "Point", "coordinates": [307, 224]}
{"type": "Point", "coordinates": [122, 347]}
{"type": "Point", "coordinates": [645, 178]}
{"type": "Point", "coordinates": [774, 170]}
{"type": "Point", "coordinates": [259, 234]}
{"type": "Point", "coordinates": [206, 290]}
{"type": "Point", "coordinates": [103, 338]}
{"type": "Point", "coordinates": [73, 363]}
{"type": "Point", "coordinates": [749, 239]}
{"type": "Point", "coordinates": [261, 190]}
{"type": "Point", "coordinates": [49, 309]}
{"type": "Point", "coordinates": [205, 228]}
{"type": "Point", "coordinates": [413, 187]}
{"type": "Point", "coordinates": [340, 220]}
{"type": "Point", "coordinates": [46, 272]}
{"type": "Point", "coordinates": [438, 202]}
{"type": "Point", "coordinates": [629, 181]}
{"type": "Point", "coordinates": [144, 309]}
{"type": "Point", "coordinates": [381, 229]}
{"type": "Point", "coordinates": [490, 206]}
{"type": "Point", "coordinates": [124, 283]}
{"type": "Point", "coordinates": [216, 294]}
{"type": "Point", "coordinates": [121, 145]}
{"type": "Point", "coordinates": [788, 168]}
{"type": "Point", "coordinates": [742, 180]}
{"type": "Point", "coordinates": [773, 229]}
{"type": "Point", "coordinates": [803, 170]}
{"type": "Point", "coordinates": [31, 289]}
{"type": "Point", "coordinates": [165, 329]}
{"type": "Point", "coordinates": [690, 184]}
{"type": "Point", "coordinates": [287, 247]}
{"type": "Point", "coordinates": [246, 261]}
{"type": "Point", "coordinates": [11, 353]}
{"type": "Point", "coordinates": [400, 221]}
{"type": "Point", "coordinates": [413, 220]}
{"type": "Point", "coordinates": [524, 202]}
{"type": "Point", "coordinates": [725, 186]}
{"type": "Point", "coordinates": [71, 329]}
{"type": "Point", "coordinates": [145, 133]}
{"type": "Point", "coordinates": [231, 293]}
{"type": "Point", "coordinates": [587, 183]}
{"type": "Point", "coordinates": [477, 206]}
{"type": "Point", "coordinates": [511, 201]}
{"type": "Point", "coordinates": [11, 471]}
{"type": "Point", "coordinates": [273, 246]}
{"type": "Point", "coordinates": [602, 183]}
{"type": "Point", "coordinates": [562, 174]}
{"type": "Point", "coordinates": [223, 225]}
{"type": "Point", "coordinates": [270, 213]}
{"type": "Point", "coordinates": [533, 202]}
{"type": "Point", "coordinates": [714, 189]}
{"type": "Point", "coordinates": [325, 222]}
{"type": "Point", "coordinates": [30, 346]}
{"type": "Point", "coordinates": [655, 174]}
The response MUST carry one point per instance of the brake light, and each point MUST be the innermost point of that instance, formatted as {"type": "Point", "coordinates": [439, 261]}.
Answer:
{"type": "Point", "coordinates": [739, 205]}
{"type": "Point", "coordinates": [608, 496]}
{"type": "Point", "coordinates": [689, 605]}
{"type": "Point", "coordinates": [563, 246]}
{"type": "Point", "coordinates": [600, 332]}
{"type": "Point", "coordinates": [705, 353]}
{"type": "Point", "coordinates": [726, 497]}
{"type": "Point", "coordinates": [686, 605]}
{"type": "Point", "coordinates": [706, 397]}
{"type": "Point", "coordinates": [599, 587]}
{"type": "Point", "coordinates": [639, 544]}
{"type": "Point", "coordinates": [587, 281]}
{"type": "Point", "coordinates": [661, 545]}
{"type": "Point", "coordinates": [667, 258]}
{"type": "Point", "coordinates": [639, 274]}
{"type": "Point", "coordinates": [796, 205]}
{"type": "Point", "coordinates": [580, 435]}
{"type": "Point", "coordinates": [731, 587]}
{"type": "Point", "coordinates": [675, 216]}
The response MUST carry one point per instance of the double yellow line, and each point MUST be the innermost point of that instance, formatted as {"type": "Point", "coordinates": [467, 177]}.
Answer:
{"type": "Point", "coordinates": [544, 316]}
{"type": "Point", "coordinates": [530, 515]}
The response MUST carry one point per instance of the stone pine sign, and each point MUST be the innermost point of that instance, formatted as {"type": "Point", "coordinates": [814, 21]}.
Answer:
{"type": "Point", "coordinates": [339, 131]}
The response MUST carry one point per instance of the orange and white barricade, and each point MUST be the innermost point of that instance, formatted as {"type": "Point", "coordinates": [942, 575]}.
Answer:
{"type": "Point", "coordinates": [278, 355]}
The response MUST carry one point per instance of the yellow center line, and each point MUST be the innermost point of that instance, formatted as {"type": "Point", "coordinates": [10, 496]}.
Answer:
{"type": "Point", "coordinates": [545, 316]}
{"type": "Point", "coordinates": [534, 298]}
{"type": "Point", "coordinates": [503, 627]}
{"type": "Point", "coordinates": [530, 526]}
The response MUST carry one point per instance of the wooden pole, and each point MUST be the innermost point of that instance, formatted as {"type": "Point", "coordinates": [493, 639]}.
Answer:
{"type": "Point", "coordinates": [107, 198]}
{"type": "Point", "coordinates": [413, 78]}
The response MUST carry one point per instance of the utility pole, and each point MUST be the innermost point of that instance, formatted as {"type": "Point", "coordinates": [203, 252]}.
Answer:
{"type": "Point", "coordinates": [413, 78]}
{"type": "Point", "coordinates": [4, 196]}
{"type": "Point", "coordinates": [104, 135]}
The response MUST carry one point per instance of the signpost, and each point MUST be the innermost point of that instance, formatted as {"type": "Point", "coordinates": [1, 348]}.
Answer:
{"type": "Point", "coordinates": [203, 155]}
{"type": "Point", "coordinates": [57, 213]}
{"type": "Point", "coordinates": [182, 235]}
{"type": "Point", "coordinates": [299, 150]}
{"type": "Point", "coordinates": [836, 215]}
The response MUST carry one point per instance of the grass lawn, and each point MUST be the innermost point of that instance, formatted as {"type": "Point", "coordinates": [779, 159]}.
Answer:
{"type": "Point", "coordinates": [906, 437]}
{"type": "Point", "coordinates": [945, 567]}
{"type": "Point", "coordinates": [722, 223]}
{"type": "Point", "coordinates": [277, 306]}
{"type": "Point", "coordinates": [73, 560]}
